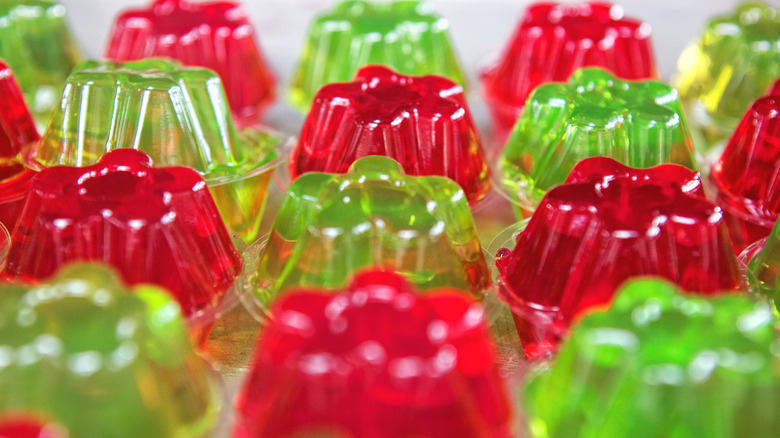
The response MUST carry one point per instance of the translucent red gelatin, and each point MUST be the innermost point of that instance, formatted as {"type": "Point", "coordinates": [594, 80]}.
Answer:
{"type": "Point", "coordinates": [746, 177]}
{"type": "Point", "coordinates": [609, 223]}
{"type": "Point", "coordinates": [215, 35]}
{"type": "Point", "coordinates": [17, 128]}
{"type": "Point", "coordinates": [28, 428]}
{"type": "Point", "coordinates": [552, 41]}
{"type": "Point", "coordinates": [377, 360]}
{"type": "Point", "coordinates": [153, 225]}
{"type": "Point", "coordinates": [423, 122]}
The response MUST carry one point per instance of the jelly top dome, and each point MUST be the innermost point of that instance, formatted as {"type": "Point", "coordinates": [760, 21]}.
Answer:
{"type": "Point", "coordinates": [416, 365]}
{"type": "Point", "coordinates": [155, 225]}
{"type": "Point", "coordinates": [374, 215]}
{"type": "Point", "coordinates": [178, 115]}
{"type": "Point", "coordinates": [659, 358]}
{"type": "Point", "coordinates": [405, 35]}
{"type": "Point", "coordinates": [216, 35]}
{"type": "Point", "coordinates": [423, 122]}
{"type": "Point", "coordinates": [639, 123]}
{"type": "Point", "coordinates": [122, 355]}
{"type": "Point", "coordinates": [554, 40]}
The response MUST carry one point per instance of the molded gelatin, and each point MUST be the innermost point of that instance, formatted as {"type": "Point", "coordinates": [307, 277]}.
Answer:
{"type": "Point", "coordinates": [745, 177]}
{"type": "Point", "coordinates": [405, 35]}
{"type": "Point", "coordinates": [763, 259]}
{"type": "Point", "coordinates": [640, 124]}
{"type": "Point", "coordinates": [178, 115]}
{"type": "Point", "coordinates": [36, 43]}
{"type": "Point", "coordinates": [22, 427]}
{"type": "Point", "coordinates": [17, 129]}
{"type": "Point", "coordinates": [102, 359]}
{"type": "Point", "coordinates": [215, 35]}
{"type": "Point", "coordinates": [554, 40]}
{"type": "Point", "coordinates": [154, 225]}
{"type": "Point", "coordinates": [609, 223]}
{"type": "Point", "coordinates": [377, 359]}
{"type": "Point", "coordinates": [662, 364]}
{"type": "Point", "coordinates": [732, 64]}
{"type": "Point", "coordinates": [423, 122]}
{"type": "Point", "coordinates": [330, 225]}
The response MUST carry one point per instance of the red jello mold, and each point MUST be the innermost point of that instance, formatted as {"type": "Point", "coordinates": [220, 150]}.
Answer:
{"type": "Point", "coordinates": [606, 224]}
{"type": "Point", "coordinates": [423, 122]}
{"type": "Point", "coordinates": [17, 128]}
{"type": "Point", "coordinates": [552, 41]}
{"type": "Point", "coordinates": [154, 225]}
{"type": "Point", "coordinates": [746, 177]}
{"type": "Point", "coordinates": [216, 35]}
{"type": "Point", "coordinates": [29, 428]}
{"type": "Point", "coordinates": [377, 360]}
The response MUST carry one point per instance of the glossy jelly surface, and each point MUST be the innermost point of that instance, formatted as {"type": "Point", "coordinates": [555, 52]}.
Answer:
{"type": "Point", "coordinates": [102, 359]}
{"type": "Point", "coordinates": [554, 40]}
{"type": "Point", "coordinates": [215, 35]}
{"type": "Point", "coordinates": [154, 225]}
{"type": "Point", "coordinates": [733, 62]}
{"type": "Point", "coordinates": [17, 129]}
{"type": "Point", "coordinates": [405, 35]}
{"type": "Point", "coordinates": [640, 124]}
{"type": "Point", "coordinates": [609, 223]}
{"type": "Point", "coordinates": [178, 115]}
{"type": "Point", "coordinates": [662, 364]}
{"type": "Point", "coordinates": [377, 359]}
{"type": "Point", "coordinates": [763, 266]}
{"type": "Point", "coordinates": [330, 225]}
{"type": "Point", "coordinates": [423, 122]}
{"type": "Point", "coordinates": [745, 177]}
{"type": "Point", "coordinates": [37, 44]}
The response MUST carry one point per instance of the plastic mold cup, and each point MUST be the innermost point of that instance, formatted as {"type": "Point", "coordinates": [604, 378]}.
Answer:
{"type": "Point", "coordinates": [652, 365]}
{"type": "Point", "coordinates": [640, 124]}
{"type": "Point", "coordinates": [17, 129]}
{"type": "Point", "coordinates": [609, 223]}
{"type": "Point", "coordinates": [732, 64]}
{"type": "Point", "coordinates": [554, 40]}
{"type": "Point", "coordinates": [377, 359]}
{"type": "Point", "coordinates": [121, 355]}
{"type": "Point", "coordinates": [177, 115]}
{"type": "Point", "coordinates": [423, 122]}
{"type": "Point", "coordinates": [405, 35]}
{"type": "Point", "coordinates": [330, 225]}
{"type": "Point", "coordinates": [38, 46]}
{"type": "Point", "coordinates": [744, 178]}
{"type": "Point", "coordinates": [214, 35]}
{"type": "Point", "coordinates": [154, 225]}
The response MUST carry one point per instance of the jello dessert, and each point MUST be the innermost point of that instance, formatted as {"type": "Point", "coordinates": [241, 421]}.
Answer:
{"type": "Point", "coordinates": [17, 129]}
{"type": "Point", "coordinates": [423, 122]}
{"type": "Point", "coordinates": [178, 115]}
{"type": "Point", "coordinates": [405, 35]}
{"type": "Point", "coordinates": [330, 225]}
{"type": "Point", "coordinates": [154, 225]}
{"type": "Point", "coordinates": [24, 427]}
{"type": "Point", "coordinates": [744, 177]}
{"type": "Point", "coordinates": [554, 40]}
{"type": "Point", "coordinates": [730, 65]}
{"type": "Point", "coordinates": [216, 35]}
{"type": "Point", "coordinates": [609, 223]}
{"type": "Point", "coordinates": [102, 359]}
{"type": "Point", "coordinates": [38, 46]}
{"type": "Point", "coordinates": [377, 359]}
{"type": "Point", "coordinates": [640, 124]}
{"type": "Point", "coordinates": [660, 363]}
{"type": "Point", "coordinates": [763, 266]}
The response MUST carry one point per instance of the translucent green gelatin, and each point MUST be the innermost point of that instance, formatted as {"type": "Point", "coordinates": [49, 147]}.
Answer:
{"type": "Point", "coordinates": [178, 115]}
{"type": "Point", "coordinates": [405, 35]}
{"type": "Point", "coordinates": [638, 123]}
{"type": "Point", "coordinates": [764, 266]}
{"type": "Point", "coordinates": [661, 364]}
{"type": "Point", "coordinates": [102, 359]}
{"type": "Point", "coordinates": [733, 62]}
{"type": "Point", "coordinates": [330, 225]}
{"type": "Point", "coordinates": [36, 43]}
